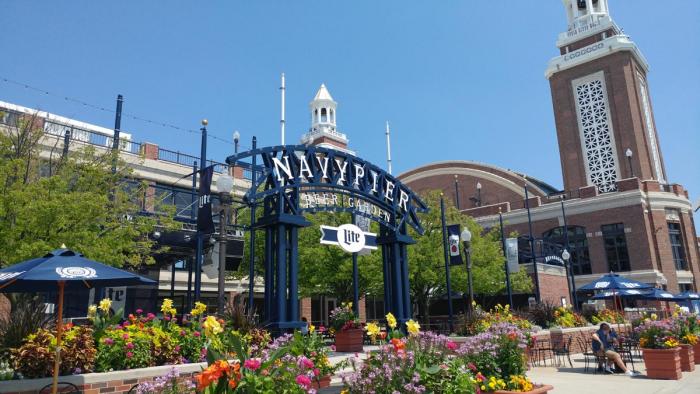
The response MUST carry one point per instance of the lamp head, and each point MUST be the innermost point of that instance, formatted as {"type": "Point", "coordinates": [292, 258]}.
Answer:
{"type": "Point", "coordinates": [466, 235]}
{"type": "Point", "coordinates": [565, 255]}
{"type": "Point", "coordinates": [205, 122]}
{"type": "Point", "coordinates": [478, 186]}
{"type": "Point", "coordinates": [628, 152]}
{"type": "Point", "coordinates": [224, 183]}
{"type": "Point", "coordinates": [236, 136]}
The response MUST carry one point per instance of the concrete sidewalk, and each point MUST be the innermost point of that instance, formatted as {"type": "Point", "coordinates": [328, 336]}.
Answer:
{"type": "Point", "coordinates": [575, 380]}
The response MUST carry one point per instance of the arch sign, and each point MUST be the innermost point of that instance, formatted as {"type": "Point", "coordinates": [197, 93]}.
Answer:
{"type": "Point", "coordinates": [290, 180]}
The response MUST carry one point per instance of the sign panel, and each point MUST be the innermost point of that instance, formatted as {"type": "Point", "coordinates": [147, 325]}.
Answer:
{"type": "Point", "coordinates": [118, 297]}
{"type": "Point", "coordinates": [205, 223]}
{"type": "Point", "coordinates": [512, 254]}
{"type": "Point", "coordinates": [349, 237]}
{"type": "Point", "coordinates": [453, 244]}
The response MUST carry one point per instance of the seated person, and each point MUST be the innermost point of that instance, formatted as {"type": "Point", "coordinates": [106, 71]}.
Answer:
{"type": "Point", "coordinates": [305, 327]}
{"type": "Point", "coordinates": [603, 345]}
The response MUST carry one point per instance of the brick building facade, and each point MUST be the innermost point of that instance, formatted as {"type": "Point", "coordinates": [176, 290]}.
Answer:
{"type": "Point", "coordinates": [621, 212]}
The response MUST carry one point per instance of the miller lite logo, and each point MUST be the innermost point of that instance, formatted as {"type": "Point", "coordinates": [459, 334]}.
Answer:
{"type": "Point", "coordinates": [454, 245]}
{"type": "Point", "coordinates": [351, 238]}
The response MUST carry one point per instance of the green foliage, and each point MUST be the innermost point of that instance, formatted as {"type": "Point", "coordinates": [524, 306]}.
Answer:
{"type": "Point", "coordinates": [76, 200]}
{"type": "Point", "coordinates": [120, 349]}
{"type": "Point", "coordinates": [543, 314]}
{"type": "Point", "coordinates": [427, 264]}
{"type": "Point", "coordinates": [35, 358]}
{"type": "Point", "coordinates": [27, 316]}
{"type": "Point", "coordinates": [6, 372]}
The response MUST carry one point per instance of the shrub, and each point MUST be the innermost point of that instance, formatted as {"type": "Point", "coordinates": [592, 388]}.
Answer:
{"type": "Point", "coordinates": [657, 335]}
{"type": "Point", "coordinates": [478, 321]}
{"type": "Point", "coordinates": [607, 315]}
{"type": "Point", "coordinates": [35, 358]}
{"type": "Point", "coordinates": [28, 315]}
{"type": "Point", "coordinates": [565, 317]}
{"type": "Point", "coordinates": [499, 352]}
{"type": "Point", "coordinates": [542, 313]}
{"type": "Point", "coordinates": [343, 318]}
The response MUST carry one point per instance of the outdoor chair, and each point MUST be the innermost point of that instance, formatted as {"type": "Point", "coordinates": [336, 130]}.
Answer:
{"type": "Point", "coordinates": [563, 349]}
{"type": "Point", "coordinates": [62, 387]}
{"type": "Point", "coordinates": [589, 356]}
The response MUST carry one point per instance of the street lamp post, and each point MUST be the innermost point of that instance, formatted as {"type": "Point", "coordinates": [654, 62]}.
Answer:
{"type": "Point", "coordinates": [478, 194]}
{"type": "Point", "coordinates": [225, 185]}
{"type": "Point", "coordinates": [466, 241]}
{"type": "Point", "coordinates": [565, 255]}
{"type": "Point", "coordinates": [447, 264]}
{"type": "Point", "coordinates": [236, 138]}
{"type": "Point", "coordinates": [457, 192]}
{"type": "Point", "coordinates": [200, 236]}
{"type": "Point", "coordinates": [629, 154]}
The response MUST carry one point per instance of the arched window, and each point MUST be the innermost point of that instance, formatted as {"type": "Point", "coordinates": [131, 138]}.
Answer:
{"type": "Point", "coordinates": [332, 116]}
{"type": "Point", "coordinates": [578, 246]}
{"type": "Point", "coordinates": [316, 115]}
{"type": "Point", "coordinates": [324, 115]}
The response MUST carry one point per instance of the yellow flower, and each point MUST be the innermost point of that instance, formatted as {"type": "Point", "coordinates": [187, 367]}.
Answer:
{"type": "Point", "coordinates": [312, 328]}
{"type": "Point", "coordinates": [92, 310]}
{"type": "Point", "coordinates": [199, 308]}
{"type": "Point", "coordinates": [391, 320]}
{"type": "Point", "coordinates": [372, 329]}
{"type": "Point", "coordinates": [212, 326]}
{"type": "Point", "coordinates": [653, 316]}
{"type": "Point", "coordinates": [413, 327]}
{"type": "Point", "coordinates": [167, 307]}
{"type": "Point", "coordinates": [105, 304]}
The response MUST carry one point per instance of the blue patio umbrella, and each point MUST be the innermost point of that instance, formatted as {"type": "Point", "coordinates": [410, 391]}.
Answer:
{"type": "Point", "coordinates": [608, 294]}
{"type": "Point", "coordinates": [660, 295]}
{"type": "Point", "coordinates": [63, 268]}
{"type": "Point", "coordinates": [688, 296]}
{"type": "Point", "coordinates": [615, 282]}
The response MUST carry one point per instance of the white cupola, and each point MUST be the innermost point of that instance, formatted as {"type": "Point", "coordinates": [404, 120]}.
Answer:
{"type": "Point", "coordinates": [323, 130]}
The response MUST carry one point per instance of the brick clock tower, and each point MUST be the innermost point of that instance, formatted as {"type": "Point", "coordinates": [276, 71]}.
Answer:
{"type": "Point", "coordinates": [602, 107]}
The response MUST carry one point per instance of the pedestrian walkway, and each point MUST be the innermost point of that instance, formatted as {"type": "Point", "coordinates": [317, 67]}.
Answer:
{"type": "Point", "coordinates": [575, 380]}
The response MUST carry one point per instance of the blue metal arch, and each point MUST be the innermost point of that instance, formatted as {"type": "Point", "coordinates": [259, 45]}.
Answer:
{"type": "Point", "coordinates": [266, 182]}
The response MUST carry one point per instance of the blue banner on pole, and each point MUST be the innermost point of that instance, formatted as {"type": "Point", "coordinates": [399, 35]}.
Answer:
{"type": "Point", "coordinates": [205, 223]}
{"type": "Point", "coordinates": [453, 243]}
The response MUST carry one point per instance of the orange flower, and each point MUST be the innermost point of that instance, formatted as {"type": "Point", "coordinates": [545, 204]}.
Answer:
{"type": "Point", "coordinates": [398, 344]}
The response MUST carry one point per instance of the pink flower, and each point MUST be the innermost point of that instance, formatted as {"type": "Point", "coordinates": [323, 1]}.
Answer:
{"type": "Point", "coordinates": [183, 333]}
{"type": "Point", "coordinates": [126, 324]}
{"type": "Point", "coordinates": [317, 372]}
{"type": "Point", "coordinates": [472, 367]}
{"type": "Point", "coordinates": [252, 364]}
{"type": "Point", "coordinates": [109, 341]}
{"type": "Point", "coordinates": [304, 381]}
{"type": "Point", "coordinates": [451, 345]}
{"type": "Point", "coordinates": [305, 362]}
{"type": "Point", "coordinates": [166, 318]}
{"type": "Point", "coordinates": [125, 336]}
{"type": "Point", "coordinates": [130, 345]}
{"type": "Point", "coordinates": [177, 349]}
{"type": "Point", "coordinates": [196, 333]}
{"type": "Point", "coordinates": [129, 354]}
{"type": "Point", "coordinates": [332, 348]}
{"type": "Point", "coordinates": [150, 316]}
{"type": "Point", "coordinates": [139, 311]}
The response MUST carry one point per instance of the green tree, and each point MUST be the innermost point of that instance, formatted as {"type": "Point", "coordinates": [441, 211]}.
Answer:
{"type": "Point", "coordinates": [427, 263]}
{"type": "Point", "coordinates": [77, 200]}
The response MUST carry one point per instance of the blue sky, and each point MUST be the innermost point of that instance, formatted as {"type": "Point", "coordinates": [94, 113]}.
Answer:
{"type": "Point", "coordinates": [456, 79]}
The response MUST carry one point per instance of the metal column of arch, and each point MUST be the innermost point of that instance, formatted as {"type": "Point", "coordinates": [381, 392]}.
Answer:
{"type": "Point", "coordinates": [397, 299]}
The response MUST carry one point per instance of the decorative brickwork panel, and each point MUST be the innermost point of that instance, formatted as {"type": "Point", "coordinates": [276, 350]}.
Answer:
{"type": "Point", "coordinates": [651, 131]}
{"type": "Point", "coordinates": [596, 131]}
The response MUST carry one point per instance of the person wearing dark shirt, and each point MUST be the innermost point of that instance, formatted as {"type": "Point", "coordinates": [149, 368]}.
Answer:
{"type": "Point", "coordinates": [604, 341]}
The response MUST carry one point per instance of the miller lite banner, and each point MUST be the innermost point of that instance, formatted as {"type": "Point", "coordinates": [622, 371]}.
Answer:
{"type": "Point", "coordinates": [349, 237]}
{"type": "Point", "coordinates": [205, 223]}
{"type": "Point", "coordinates": [453, 244]}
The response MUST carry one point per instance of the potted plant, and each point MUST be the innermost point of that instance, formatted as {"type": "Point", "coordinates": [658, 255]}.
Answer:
{"type": "Point", "coordinates": [348, 330]}
{"type": "Point", "coordinates": [687, 339]}
{"type": "Point", "coordinates": [660, 349]}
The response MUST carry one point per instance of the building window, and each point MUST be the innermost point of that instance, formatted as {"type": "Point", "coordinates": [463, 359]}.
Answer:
{"type": "Point", "coordinates": [615, 245]}
{"type": "Point", "coordinates": [578, 247]}
{"type": "Point", "coordinates": [651, 132]}
{"type": "Point", "coordinates": [674, 232]}
{"type": "Point", "coordinates": [596, 131]}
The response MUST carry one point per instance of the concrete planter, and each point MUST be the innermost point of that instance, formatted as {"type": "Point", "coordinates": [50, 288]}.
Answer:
{"type": "Point", "coordinates": [663, 363]}
{"type": "Point", "coordinates": [687, 358]}
{"type": "Point", "coordinates": [543, 389]}
{"type": "Point", "coordinates": [349, 340]}
{"type": "Point", "coordinates": [117, 382]}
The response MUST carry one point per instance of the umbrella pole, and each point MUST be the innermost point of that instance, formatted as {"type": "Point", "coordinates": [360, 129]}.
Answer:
{"type": "Point", "coordinates": [59, 332]}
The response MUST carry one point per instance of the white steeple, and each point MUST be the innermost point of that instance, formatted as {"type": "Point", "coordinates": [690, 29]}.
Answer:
{"type": "Point", "coordinates": [585, 18]}
{"type": "Point", "coordinates": [323, 131]}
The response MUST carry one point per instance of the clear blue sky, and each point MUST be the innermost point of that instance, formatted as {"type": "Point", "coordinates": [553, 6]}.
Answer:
{"type": "Point", "coordinates": [456, 79]}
